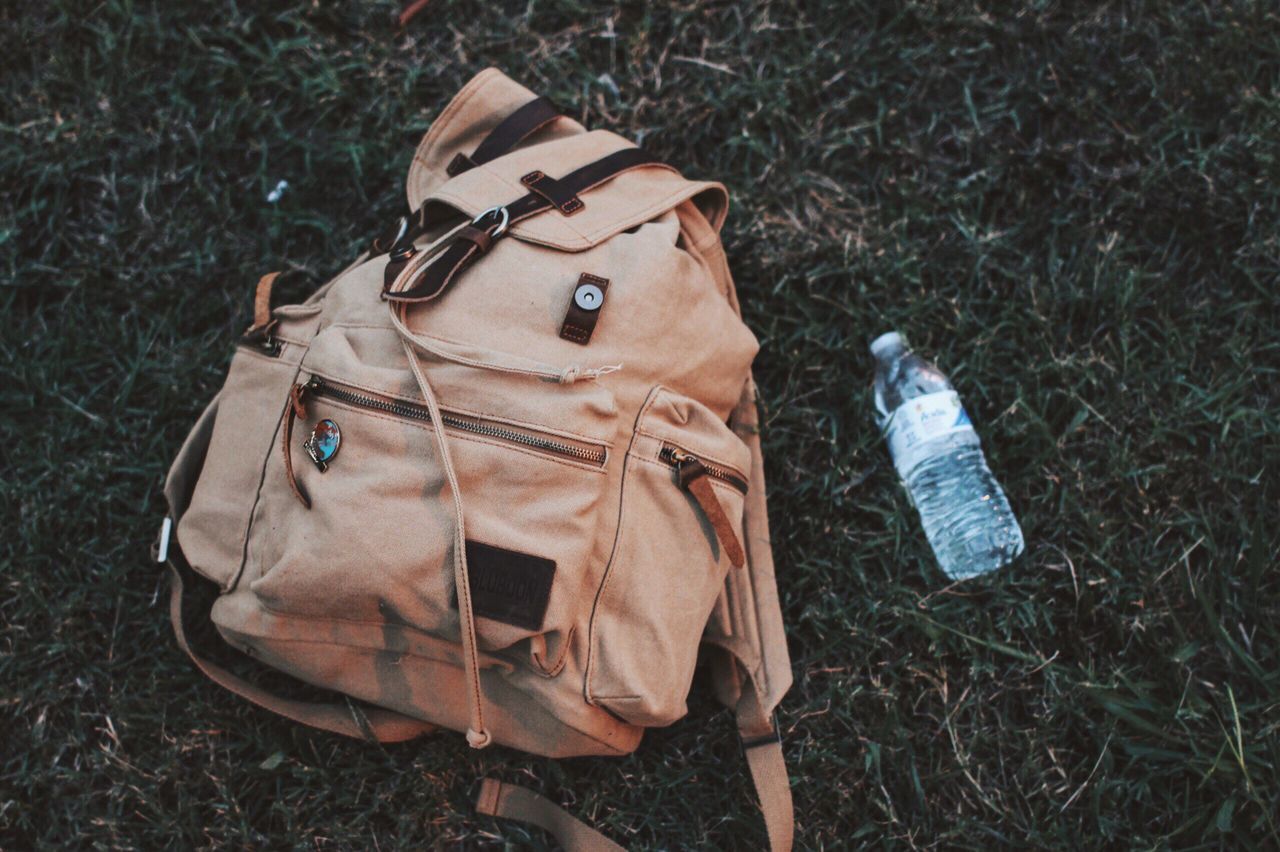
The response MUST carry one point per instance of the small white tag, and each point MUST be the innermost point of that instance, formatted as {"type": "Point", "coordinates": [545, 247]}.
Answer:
{"type": "Point", "coordinates": [918, 421]}
{"type": "Point", "coordinates": [162, 553]}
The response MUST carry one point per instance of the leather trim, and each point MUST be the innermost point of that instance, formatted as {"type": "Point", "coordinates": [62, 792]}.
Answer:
{"type": "Point", "coordinates": [439, 274]}
{"type": "Point", "coordinates": [461, 252]}
{"type": "Point", "coordinates": [553, 191]}
{"type": "Point", "coordinates": [580, 323]}
{"type": "Point", "coordinates": [396, 263]}
{"type": "Point", "coordinates": [693, 479]}
{"type": "Point", "coordinates": [514, 129]}
{"type": "Point", "coordinates": [294, 409]}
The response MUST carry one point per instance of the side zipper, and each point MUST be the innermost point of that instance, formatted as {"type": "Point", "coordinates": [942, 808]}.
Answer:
{"type": "Point", "coordinates": [679, 459]}
{"type": "Point", "coordinates": [552, 445]}
{"type": "Point", "coordinates": [692, 474]}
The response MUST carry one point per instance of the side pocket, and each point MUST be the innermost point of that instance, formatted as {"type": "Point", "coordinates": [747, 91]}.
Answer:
{"type": "Point", "coordinates": [669, 559]}
{"type": "Point", "coordinates": [213, 528]}
{"type": "Point", "coordinates": [185, 470]}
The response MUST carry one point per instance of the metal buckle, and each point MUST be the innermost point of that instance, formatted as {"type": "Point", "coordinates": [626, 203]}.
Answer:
{"type": "Point", "coordinates": [380, 245]}
{"type": "Point", "coordinates": [495, 211]}
{"type": "Point", "coordinates": [402, 253]}
{"type": "Point", "coordinates": [403, 229]}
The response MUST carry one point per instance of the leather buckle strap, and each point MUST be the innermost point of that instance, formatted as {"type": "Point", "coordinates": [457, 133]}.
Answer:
{"type": "Point", "coordinates": [434, 277]}
{"type": "Point", "coordinates": [468, 243]}
{"type": "Point", "coordinates": [584, 179]}
{"type": "Point", "coordinates": [482, 239]}
{"type": "Point", "coordinates": [390, 239]}
{"type": "Point", "coordinates": [510, 132]}
{"type": "Point", "coordinates": [396, 262]}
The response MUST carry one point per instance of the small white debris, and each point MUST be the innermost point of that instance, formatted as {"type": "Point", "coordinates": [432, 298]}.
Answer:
{"type": "Point", "coordinates": [162, 552]}
{"type": "Point", "coordinates": [274, 195]}
{"type": "Point", "coordinates": [607, 81]}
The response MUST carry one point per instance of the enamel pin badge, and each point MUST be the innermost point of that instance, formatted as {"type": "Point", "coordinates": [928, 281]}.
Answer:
{"type": "Point", "coordinates": [323, 444]}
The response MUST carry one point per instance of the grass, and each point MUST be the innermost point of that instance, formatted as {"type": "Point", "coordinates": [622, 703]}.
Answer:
{"type": "Point", "coordinates": [1073, 207]}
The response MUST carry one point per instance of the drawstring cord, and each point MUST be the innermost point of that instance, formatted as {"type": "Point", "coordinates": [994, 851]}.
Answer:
{"type": "Point", "coordinates": [478, 735]}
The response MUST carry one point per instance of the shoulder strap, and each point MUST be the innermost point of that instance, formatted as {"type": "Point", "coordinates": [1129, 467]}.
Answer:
{"type": "Point", "coordinates": [762, 747]}
{"type": "Point", "coordinates": [369, 723]}
{"type": "Point", "coordinates": [510, 801]}
{"type": "Point", "coordinates": [768, 774]}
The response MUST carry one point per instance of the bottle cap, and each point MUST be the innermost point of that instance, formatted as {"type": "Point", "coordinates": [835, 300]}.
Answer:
{"type": "Point", "coordinates": [886, 343]}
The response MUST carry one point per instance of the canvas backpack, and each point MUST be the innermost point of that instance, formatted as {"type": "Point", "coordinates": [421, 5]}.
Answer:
{"type": "Point", "coordinates": [501, 475]}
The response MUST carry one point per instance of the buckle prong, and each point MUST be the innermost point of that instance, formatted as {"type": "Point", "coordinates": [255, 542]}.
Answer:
{"type": "Point", "coordinates": [495, 211]}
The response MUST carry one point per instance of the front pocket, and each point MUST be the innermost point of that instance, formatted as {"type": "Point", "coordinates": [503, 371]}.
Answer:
{"type": "Point", "coordinates": [669, 559]}
{"type": "Point", "coordinates": [376, 544]}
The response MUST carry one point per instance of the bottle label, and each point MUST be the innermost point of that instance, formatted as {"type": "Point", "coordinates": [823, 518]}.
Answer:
{"type": "Point", "coordinates": [918, 421]}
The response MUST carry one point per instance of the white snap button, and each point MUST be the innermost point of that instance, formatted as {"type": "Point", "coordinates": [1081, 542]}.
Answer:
{"type": "Point", "coordinates": [589, 297]}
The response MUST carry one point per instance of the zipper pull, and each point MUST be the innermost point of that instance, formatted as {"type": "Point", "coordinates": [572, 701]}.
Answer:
{"type": "Point", "coordinates": [297, 398]}
{"type": "Point", "coordinates": [294, 409]}
{"type": "Point", "coordinates": [691, 474]}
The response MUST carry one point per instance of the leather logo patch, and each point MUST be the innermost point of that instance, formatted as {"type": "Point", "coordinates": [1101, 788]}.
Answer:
{"type": "Point", "coordinates": [509, 586]}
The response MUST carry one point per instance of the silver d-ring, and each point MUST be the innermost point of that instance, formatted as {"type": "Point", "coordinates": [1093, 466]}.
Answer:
{"type": "Point", "coordinates": [502, 225]}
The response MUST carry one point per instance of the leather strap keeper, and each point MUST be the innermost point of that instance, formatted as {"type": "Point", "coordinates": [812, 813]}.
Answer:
{"type": "Point", "coordinates": [428, 283]}
{"type": "Point", "coordinates": [481, 237]}
{"type": "Point", "coordinates": [561, 197]}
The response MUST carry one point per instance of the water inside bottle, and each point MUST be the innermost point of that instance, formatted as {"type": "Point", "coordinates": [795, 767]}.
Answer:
{"type": "Point", "coordinates": [938, 455]}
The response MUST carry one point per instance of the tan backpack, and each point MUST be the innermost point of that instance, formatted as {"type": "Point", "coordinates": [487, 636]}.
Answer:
{"type": "Point", "coordinates": [502, 475]}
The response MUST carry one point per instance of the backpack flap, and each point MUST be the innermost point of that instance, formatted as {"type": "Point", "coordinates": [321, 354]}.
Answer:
{"type": "Point", "coordinates": [625, 201]}
{"type": "Point", "coordinates": [478, 108]}
{"type": "Point", "coordinates": [558, 148]}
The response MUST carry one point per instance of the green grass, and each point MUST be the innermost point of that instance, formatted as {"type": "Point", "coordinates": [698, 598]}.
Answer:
{"type": "Point", "coordinates": [1074, 207]}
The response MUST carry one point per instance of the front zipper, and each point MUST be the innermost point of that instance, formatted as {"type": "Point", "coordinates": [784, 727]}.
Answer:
{"type": "Point", "coordinates": [595, 455]}
{"type": "Point", "coordinates": [678, 458]}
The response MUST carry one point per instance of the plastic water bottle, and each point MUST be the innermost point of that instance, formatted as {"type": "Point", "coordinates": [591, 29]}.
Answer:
{"type": "Point", "coordinates": [939, 459]}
